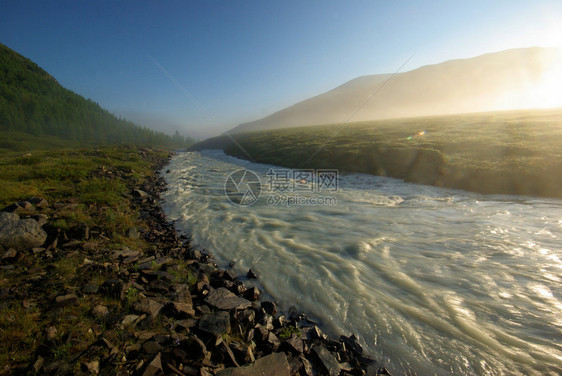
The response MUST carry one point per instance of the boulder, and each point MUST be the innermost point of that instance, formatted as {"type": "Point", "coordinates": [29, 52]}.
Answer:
{"type": "Point", "coordinates": [252, 294]}
{"type": "Point", "coordinates": [148, 306]}
{"type": "Point", "coordinates": [216, 323]}
{"type": "Point", "coordinates": [20, 234]}
{"type": "Point", "coordinates": [65, 300]}
{"type": "Point", "coordinates": [195, 348]}
{"type": "Point", "coordinates": [272, 365]}
{"type": "Point", "coordinates": [327, 360]}
{"type": "Point", "coordinates": [153, 367]}
{"type": "Point", "coordinates": [222, 298]}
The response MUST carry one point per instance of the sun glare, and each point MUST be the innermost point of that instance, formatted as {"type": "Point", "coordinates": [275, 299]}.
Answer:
{"type": "Point", "coordinates": [548, 92]}
{"type": "Point", "coordinates": [542, 91]}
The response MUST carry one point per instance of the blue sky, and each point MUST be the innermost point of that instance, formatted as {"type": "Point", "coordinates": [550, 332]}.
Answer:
{"type": "Point", "coordinates": [229, 61]}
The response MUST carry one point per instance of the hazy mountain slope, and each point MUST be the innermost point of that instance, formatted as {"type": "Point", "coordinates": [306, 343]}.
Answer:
{"type": "Point", "coordinates": [33, 102]}
{"type": "Point", "coordinates": [494, 81]}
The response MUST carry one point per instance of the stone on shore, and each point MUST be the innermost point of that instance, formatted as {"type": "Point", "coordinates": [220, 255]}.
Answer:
{"type": "Point", "coordinates": [272, 365]}
{"type": "Point", "coordinates": [148, 306]}
{"type": "Point", "coordinates": [216, 323]}
{"type": "Point", "coordinates": [329, 363]}
{"type": "Point", "coordinates": [20, 234]}
{"type": "Point", "coordinates": [223, 299]}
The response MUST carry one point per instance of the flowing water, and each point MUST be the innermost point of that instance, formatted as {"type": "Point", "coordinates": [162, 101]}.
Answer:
{"type": "Point", "coordinates": [434, 281]}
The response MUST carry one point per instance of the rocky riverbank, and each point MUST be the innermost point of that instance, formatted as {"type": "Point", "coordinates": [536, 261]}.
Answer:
{"type": "Point", "coordinates": [77, 298]}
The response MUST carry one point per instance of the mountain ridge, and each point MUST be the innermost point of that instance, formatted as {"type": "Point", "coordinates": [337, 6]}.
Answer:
{"type": "Point", "coordinates": [33, 102]}
{"type": "Point", "coordinates": [488, 82]}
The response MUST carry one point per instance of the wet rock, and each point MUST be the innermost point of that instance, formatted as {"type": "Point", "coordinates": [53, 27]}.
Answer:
{"type": "Point", "coordinates": [20, 234]}
{"type": "Point", "coordinates": [273, 341]}
{"type": "Point", "coordinates": [269, 307]}
{"type": "Point", "coordinates": [148, 306]}
{"type": "Point", "coordinates": [252, 294]}
{"type": "Point", "coordinates": [329, 363]}
{"type": "Point", "coordinates": [238, 288]}
{"type": "Point", "coordinates": [65, 300]}
{"type": "Point", "coordinates": [294, 344]}
{"type": "Point", "coordinates": [222, 298]}
{"type": "Point", "coordinates": [279, 322]}
{"type": "Point", "coordinates": [251, 274]}
{"type": "Point", "coordinates": [217, 323]}
{"type": "Point", "coordinates": [271, 365]}
{"type": "Point", "coordinates": [352, 343]}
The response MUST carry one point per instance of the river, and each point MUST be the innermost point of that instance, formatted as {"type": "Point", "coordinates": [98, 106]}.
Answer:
{"type": "Point", "coordinates": [434, 281]}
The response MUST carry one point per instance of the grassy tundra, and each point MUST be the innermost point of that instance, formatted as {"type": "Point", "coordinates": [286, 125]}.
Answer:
{"type": "Point", "coordinates": [515, 152]}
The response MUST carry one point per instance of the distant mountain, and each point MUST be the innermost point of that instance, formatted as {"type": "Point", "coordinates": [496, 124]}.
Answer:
{"type": "Point", "coordinates": [33, 102]}
{"type": "Point", "coordinates": [496, 81]}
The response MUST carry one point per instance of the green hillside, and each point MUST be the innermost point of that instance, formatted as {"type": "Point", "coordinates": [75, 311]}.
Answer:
{"type": "Point", "coordinates": [512, 152]}
{"type": "Point", "coordinates": [33, 103]}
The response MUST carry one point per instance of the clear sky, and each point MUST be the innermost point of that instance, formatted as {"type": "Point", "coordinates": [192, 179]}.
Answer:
{"type": "Point", "coordinates": [202, 67]}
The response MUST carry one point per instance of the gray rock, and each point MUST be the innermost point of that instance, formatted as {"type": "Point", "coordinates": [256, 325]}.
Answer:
{"type": "Point", "coordinates": [20, 234]}
{"type": "Point", "coordinates": [10, 254]}
{"type": "Point", "coordinates": [269, 307]}
{"type": "Point", "coordinates": [148, 306]}
{"type": "Point", "coordinates": [112, 288]}
{"type": "Point", "coordinates": [65, 300]}
{"type": "Point", "coordinates": [154, 367]}
{"type": "Point", "coordinates": [180, 310]}
{"type": "Point", "coordinates": [133, 233]}
{"type": "Point", "coordinates": [252, 294]}
{"type": "Point", "coordinates": [216, 323]}
{"type": "Point", "coordinates": [100, 311]}
{"type": "Point", "coordinates": [90, 288]}
{"type": "Point", "coordinates": [327, 360]}
{"type": "Point", "coordinates": [295, 345]}
{"type": "Point", "coordinates": [222, 298]}
{"type": "Point", "coordinates": [195, 348]}
{"type": "Point", "coordinates": [251, 274]}
{"type": "Point", "coordinates": [151, 347]}
{"type": "Point", "coordinates": [38, 202]}
{"type": "Point", "coordinates": [92, 367]}
{"type": "Point", "coordinates": [272, 365]}
{"type": "Point", "coordinates": [139, 193]}
{"type": "Point", "coordinates": [129, 320]}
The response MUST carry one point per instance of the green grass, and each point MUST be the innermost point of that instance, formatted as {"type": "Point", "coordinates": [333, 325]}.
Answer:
{"type": "Point", "coordinates": [516, 152]}
{"type": "Point", "coordinates": [94, 184]}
